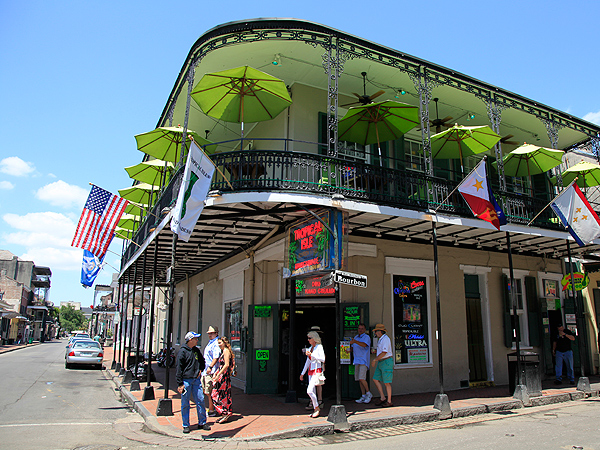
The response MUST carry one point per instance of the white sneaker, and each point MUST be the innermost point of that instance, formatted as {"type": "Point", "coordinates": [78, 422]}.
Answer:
{"type": "Point", "coordinates": [361, 399]}
{"type": "Point", "coordinates": [368, 397]}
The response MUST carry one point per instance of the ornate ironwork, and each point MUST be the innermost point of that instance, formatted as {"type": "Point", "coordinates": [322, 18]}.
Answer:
{"type": "Point", "coordinates": [552, 128]}
{"type": "Point", "coordinates": [190, 81]}
{"type": "Point", "coordinates": [494, 111]}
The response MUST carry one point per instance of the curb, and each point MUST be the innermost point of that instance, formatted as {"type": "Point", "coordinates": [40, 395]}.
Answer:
{"type": "Point", "coordinates": [151, 423]}
{"type": "Point", "coordinates": [12, 349]}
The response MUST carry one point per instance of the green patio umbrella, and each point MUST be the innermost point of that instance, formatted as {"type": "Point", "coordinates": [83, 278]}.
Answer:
{"type": "Point", "coordinates": [164, 143]}
{"type": "Point", "coordinates": [459, 141]}
{"type": "Point", "coordinates": [587, 174]}
{"type": "Point", "coordinates": [140, 193]}
{"type": "Point", "coordinates": [529, 159]}
{"type": "Point", "coordinates": [123, 233]}
{"type": "Point", "coordinates": [129, 222]}
{"type": "Point", "coordinates": [239, 95]}
{"type": "Point", "coordinates": [153, 172]}
{"type": "Point", "coordinates": [134, 208]}
{"type": "Point", "coordinates": [377, 122]}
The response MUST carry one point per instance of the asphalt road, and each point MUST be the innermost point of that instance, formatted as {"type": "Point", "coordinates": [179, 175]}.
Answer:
{"type": "Point", "coordinates": [45, 406]}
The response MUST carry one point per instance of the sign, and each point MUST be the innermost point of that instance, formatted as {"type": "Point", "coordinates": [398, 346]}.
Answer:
{"type": "Point", "coordinates": [351, 317]}
{"type": "Point", "coordinates": [312, 287]}
{"type": "Point", "coordinates": [262, 311]}
{"type": "Point", "coordinates": [581, 281]}
{"type": "Point", "coordinates": [262, 366]}
{"type": "Point", "coordinates": [409, 297]}
{"type": "Point", "coordinates": [262, 355]}
{"type": "Point", "coordinates": [327, 280]}
{"type": "Point", "coordinates": [570, 318]}
{"type": "Point", "coordinates": [345, 352]}
{"type": "Point", "coordinates": [353, 279]}
{"type": "Point", "coordinates": [311, 248]}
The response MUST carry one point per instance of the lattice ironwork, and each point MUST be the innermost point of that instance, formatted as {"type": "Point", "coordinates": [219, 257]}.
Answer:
{"type": "Point", "coordinates": [494, 111]}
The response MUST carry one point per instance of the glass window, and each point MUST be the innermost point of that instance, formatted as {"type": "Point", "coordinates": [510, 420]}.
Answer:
{"type": "Point", "coordinates": [521, 311]}
{"type": "Point", "coordinates": [413, 154]}
{"type": "Point", "coordinates": [233, 324]}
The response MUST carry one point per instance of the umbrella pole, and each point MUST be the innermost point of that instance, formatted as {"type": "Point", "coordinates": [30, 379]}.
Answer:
{"type": "Point", "coordinates": [378, 146]}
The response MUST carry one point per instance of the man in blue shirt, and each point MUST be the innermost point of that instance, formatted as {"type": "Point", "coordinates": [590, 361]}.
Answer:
{"type": "Point", "coordinates": [211, 359]}
{"type": "Point", "coordinates": [361, 350]}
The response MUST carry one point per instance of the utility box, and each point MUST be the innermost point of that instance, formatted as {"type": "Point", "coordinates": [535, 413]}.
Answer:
{"type": "Point", "coordinates": [530, 368]}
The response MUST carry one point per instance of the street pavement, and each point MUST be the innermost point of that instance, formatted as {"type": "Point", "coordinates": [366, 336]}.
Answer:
{"type": "Point", "coordinates": [263, 421]}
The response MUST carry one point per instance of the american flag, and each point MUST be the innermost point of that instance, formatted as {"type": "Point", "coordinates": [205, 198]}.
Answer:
{"type": "Point", "coordinates": [98, 220]}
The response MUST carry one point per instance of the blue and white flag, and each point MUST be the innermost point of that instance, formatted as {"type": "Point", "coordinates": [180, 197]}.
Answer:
{"type": "Point", "coordinates": [577, 215]}
{"type": "Point", "coordinates": [90, 268]}
{"type": "Point", "coordinates": [199, 171]}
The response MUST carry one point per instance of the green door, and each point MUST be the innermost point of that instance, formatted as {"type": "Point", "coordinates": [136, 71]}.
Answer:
{"type": "Point", "coordinates": [351, 315]}
{"type": "Point", "coordinates": [263, 349]}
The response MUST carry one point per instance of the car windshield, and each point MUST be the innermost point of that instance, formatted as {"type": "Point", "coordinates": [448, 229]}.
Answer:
{"type": "Point", "coordinates": [91, 344]}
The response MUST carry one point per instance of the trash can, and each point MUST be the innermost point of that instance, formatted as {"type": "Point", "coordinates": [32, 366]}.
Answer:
{"type": "Point", "coordinates": [530, 368]}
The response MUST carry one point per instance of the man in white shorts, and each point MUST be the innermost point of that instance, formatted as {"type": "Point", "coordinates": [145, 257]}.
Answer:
{"type": "Point", "coordinates": [211, 359]}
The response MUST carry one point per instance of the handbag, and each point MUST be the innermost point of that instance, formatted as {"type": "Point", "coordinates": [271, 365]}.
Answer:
{"type": "Point", "coordinates": [320, 380]}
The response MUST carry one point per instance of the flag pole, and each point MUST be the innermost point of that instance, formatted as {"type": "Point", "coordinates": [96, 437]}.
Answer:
{"type": "Point", "coordinates": [458, 185]}
{"type": "Point", "coordinates": [551, 201]}
{"type": "Point", "coordinates": [136, 205]}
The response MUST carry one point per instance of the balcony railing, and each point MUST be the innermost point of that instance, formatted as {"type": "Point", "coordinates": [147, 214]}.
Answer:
{"type": "Point", "coordinates": [311, 173]}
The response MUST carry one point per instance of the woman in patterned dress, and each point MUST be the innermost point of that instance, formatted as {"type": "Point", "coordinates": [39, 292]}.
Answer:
{"type": "Point", "coordinates": [221, 393]}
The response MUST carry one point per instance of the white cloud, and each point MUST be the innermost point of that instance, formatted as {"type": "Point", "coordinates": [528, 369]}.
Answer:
{"type": "Point", "coordinates": [62, 194]}
{"type": "Point", "coordinates": [6, 185]}
{"type": "Point", "coordinates": [47, 238]}
{"type": "Point", "coordinates": [593, 117]}
{"type": "Point", "coordinates": [13, 165]}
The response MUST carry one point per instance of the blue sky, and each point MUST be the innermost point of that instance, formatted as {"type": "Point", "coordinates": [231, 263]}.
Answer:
{"type": "Point", "coordinates": [78, 79]}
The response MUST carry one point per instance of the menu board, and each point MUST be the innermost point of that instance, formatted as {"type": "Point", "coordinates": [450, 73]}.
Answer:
{"type": "Point", "coordinates": [411, 331]}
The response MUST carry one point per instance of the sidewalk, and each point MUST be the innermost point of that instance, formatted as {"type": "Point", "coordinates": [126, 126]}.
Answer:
{"type": "Point", "coordinates": [263, 417]}
{"type": "Point", "coordinates": [9, 348]}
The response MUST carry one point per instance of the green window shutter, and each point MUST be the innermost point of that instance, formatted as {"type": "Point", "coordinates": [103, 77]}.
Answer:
{"type": "Point", "coordinates": [472, 286]}
{"type": "Point", "coordinates": [508, 328]}
{"type": "Point", "coordinates": [533, 311]}
{"type": "Point", "coordinates": [540, 186]}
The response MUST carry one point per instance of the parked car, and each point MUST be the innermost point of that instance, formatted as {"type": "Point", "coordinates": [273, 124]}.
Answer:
{"type": "Point", "coordinates": [79, 339]}
{"type": "Point", "coordinates": [84, 352]}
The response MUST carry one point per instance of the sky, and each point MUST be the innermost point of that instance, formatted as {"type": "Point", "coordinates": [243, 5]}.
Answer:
{"type": "Point", "coordinates": [78, 79]}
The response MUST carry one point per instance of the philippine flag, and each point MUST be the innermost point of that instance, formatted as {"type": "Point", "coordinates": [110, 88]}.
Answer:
{"type": "Point", "coordinates": [577, 215]}
{"type": "Point", "coordinates": [476, 191]}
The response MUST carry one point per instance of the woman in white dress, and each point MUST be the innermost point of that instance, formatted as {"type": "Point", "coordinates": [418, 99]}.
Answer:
{"type": "Point", "coordinates": [315, 357]}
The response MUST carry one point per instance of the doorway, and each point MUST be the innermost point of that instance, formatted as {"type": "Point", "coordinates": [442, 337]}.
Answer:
{"type": "Point", "coordinates": [307, 316]}
{"type": "Point", "coordinates": [475, 335]}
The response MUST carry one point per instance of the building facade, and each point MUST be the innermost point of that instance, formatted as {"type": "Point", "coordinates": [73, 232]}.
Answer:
{"type": "Point", "coordinates": [233, 271]}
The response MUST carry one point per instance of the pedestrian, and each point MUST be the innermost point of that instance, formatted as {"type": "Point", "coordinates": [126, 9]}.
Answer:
{"type": "Point", "coordinates": [190, 365]}
{"type": "Point", "coordinates": [309, 405]}
{"type": "Point", "coordinates": [315, 357]}
{"type": "Point", "coordinates": [383, 365]}
{"type": "Point", "coordinates": [19, 338]}
{"type": "Point", "coordinates": [221, 394]}
{"type": "Point", "coordinates": [561, 349]}
{"type": "Point", "coordinates": [360, 351]}
{"type": "Point", "coordinates": [211, 360]}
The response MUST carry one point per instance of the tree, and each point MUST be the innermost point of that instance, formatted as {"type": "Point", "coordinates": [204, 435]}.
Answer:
{"type": "Point", "coordinates": [70, 318]}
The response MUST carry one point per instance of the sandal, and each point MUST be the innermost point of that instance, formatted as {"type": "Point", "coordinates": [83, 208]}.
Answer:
{"type": "Point", "coordinates": [224, 418]}
{"type": "Point", "coordinates": [315, 413]}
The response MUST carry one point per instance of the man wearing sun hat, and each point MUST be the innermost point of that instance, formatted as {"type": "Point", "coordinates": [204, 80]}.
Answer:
{"type": "Point", "coordinates": [211, 359]}
{"type": "Point", "coordinates": [383, 365]}
{"type": "Point", "coordinates": [190, 365]}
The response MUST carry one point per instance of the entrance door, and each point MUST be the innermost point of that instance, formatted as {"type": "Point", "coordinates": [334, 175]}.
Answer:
{"type": "Point", "coordinates": [352, 315]}
{"type": "Point", "coordinates": [263, 349]}
{"type": "Point", "coordinates": [475, 342]}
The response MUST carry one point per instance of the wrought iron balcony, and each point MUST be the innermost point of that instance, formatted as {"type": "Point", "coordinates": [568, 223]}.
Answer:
{"type": "Point", "coordinates": [317, 174]}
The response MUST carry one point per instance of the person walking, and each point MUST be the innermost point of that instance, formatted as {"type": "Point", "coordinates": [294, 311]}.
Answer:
{"type": "Point", "coordinates": [211, 361]}
{"type": "Point", "coordinates": [561, 349]}
{"type": "Point", "coordinates": [315, 357]}
{"type": "Point", "coordinates": [383, 365]}
{"type": "Point", "coordinates": [190, 365]}
{"type": "Point", "coordinates": [361, 350]}
{"type": "Point", "coordinates": [221, 394]}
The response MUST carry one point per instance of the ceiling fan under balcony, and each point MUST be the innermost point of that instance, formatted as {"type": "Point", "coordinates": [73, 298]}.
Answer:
{"type": "Point", "coordinates": [364, 99]}
{"type": "Point", "coordinates": [437, 122]}
{"type": "Point", "coordinates": [505, 140]}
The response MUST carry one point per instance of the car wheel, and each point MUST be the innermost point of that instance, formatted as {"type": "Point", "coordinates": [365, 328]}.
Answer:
{"type": "Point", "coordinates": [67, 365]}
{"type": "Point", "coordinates": [99, 366]}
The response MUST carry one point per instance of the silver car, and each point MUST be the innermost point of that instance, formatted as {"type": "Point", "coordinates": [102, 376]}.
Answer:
{"type": "Point", "coordinates": [84, 352]}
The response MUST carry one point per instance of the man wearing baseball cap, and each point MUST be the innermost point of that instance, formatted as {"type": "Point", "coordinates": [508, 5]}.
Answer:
{"type": "Point", "coordinates": [190, 365]}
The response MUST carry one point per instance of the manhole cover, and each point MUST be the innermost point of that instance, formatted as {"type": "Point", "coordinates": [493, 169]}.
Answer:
{"type": "Point", "coordinates": [97, 447]}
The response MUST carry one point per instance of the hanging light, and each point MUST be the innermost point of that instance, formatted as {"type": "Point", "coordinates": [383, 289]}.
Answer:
{"type": "Point", "coordinates": [276, 59]}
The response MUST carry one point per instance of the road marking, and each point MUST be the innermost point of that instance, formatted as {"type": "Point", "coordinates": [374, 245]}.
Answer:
{"type": "Point", "coordinates": [53, 424]}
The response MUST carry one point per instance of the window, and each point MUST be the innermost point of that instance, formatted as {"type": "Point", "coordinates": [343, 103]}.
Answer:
{"type": "Point", "coordinates": [200, 306]}
{"type": "Point", "coordinates": [524, 292]}
{"type": "Point", "coordinates": [233, 324]}
{"type": "Point", "coordinates": [179, 320]}
{"type": "Point", "coordinates": [413, 155]}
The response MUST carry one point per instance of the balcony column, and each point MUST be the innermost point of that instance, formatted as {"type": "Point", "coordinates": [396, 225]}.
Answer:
{"type": "Point", "coordinates": [333, 64]}
{"type": "Point", "coordinates": [552, 129]}
{"type": "Point", "coordinates": [494, 111]}
{"type": "Point", "coordinates": [424, 85]}
{"type": "Point", "coordinates": [190, 82]}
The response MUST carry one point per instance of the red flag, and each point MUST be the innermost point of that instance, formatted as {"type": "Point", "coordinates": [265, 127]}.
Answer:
{"type": "Point", "coordinates": [478, 195]}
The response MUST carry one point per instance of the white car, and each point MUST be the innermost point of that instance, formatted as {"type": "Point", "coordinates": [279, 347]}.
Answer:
{"type": "Point", "coordinates": [84, 352]}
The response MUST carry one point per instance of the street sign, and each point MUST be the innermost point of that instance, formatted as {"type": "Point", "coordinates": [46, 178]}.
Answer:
{"type": "Point", "coordinates": [353, 279]}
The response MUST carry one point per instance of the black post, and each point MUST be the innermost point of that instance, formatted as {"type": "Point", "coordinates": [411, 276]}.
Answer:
{"type": "Point", "coordinates": [338, 334]}
{"type": "Point", "coordinates": [583, 383]}
{"type": "Point", "coordinates": [139, 327]}
{"type": "Point", "coordinates": [131, 328]}
{"type": "Point", "coordinates": [441, 402]}
{"type": "Point", "coordinates": [149, 390]}
{"type": "Point", "coordinates": [119, 324]}
{"type": "Point", "coordinates": [291, 396]}
{"type": "Point", "coordinates": [165, 407]}
{"type": "Point", "coordinates": [124, 319]}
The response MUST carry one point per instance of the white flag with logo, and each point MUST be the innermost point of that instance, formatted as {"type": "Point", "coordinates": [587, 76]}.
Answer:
{"type": "Point", "coordinates": [199, 170]}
